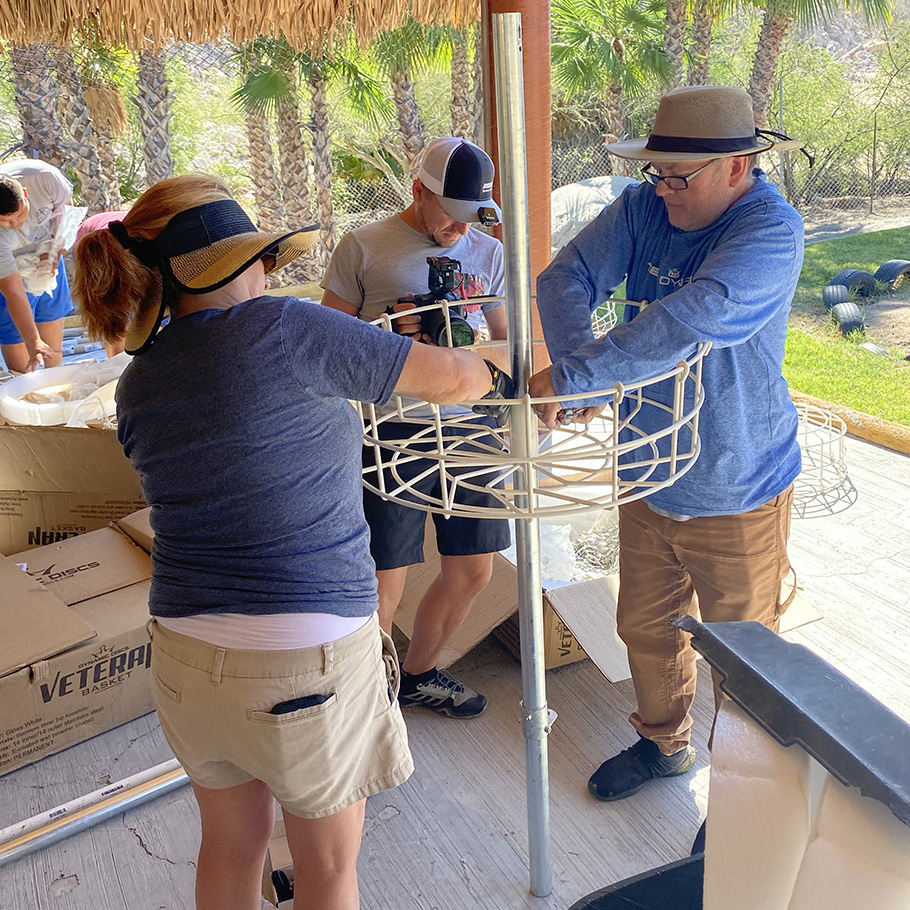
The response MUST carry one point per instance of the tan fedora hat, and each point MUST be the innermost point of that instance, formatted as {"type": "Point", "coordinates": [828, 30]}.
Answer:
{"type": "Point", "coordinates": [202, 249]}
{"type": "Point", "coordinates": [702, 121]}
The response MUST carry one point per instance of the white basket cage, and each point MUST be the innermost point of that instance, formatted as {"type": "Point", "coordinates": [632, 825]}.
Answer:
{"type": "Point", "coordinates": [823, 486]}
{"type": "Point", "coordinates": [571, 470]}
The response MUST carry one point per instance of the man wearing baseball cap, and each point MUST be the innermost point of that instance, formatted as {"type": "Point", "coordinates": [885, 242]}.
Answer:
{"type": "Point", "coordinates": [372, 267]}
{"type": "Point", "coordinates": [713, 252]}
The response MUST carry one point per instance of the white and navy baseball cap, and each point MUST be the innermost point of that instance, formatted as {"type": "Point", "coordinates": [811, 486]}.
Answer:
{"type": "Point", "coordinates": [461, 175]}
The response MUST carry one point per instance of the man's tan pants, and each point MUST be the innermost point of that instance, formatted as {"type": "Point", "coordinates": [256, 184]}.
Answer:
{"type": "Point", "coordinates": [730, 567]}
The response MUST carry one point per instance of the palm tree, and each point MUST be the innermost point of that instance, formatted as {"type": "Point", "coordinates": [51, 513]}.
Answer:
{"type": "Point", "coordinates": [779, 17]}
{"type": "Point", "coordinates": [610, 49]}
{"type": "Point", "coordinates": [705, 13]}
{"type": "Point", "coordinates": [462, 109]}
{"type": "Point", "coordinates": [75, 117]}
{"type": "Point", "coordinates": [266, 188]}
{"type": "Point", "coordinates": [363, 95]}
{"type": "Point", "coordinates": [400, 53]}
{"type": "Point", "coordinates": [110, 121]}
{"type": "Point", "coordinates": [477, 113]}
{"type": "Point", "coordinates": [36, 94]}
{"type": "Point", "coordinates": [674, 41]}
{"type": "Point", "coordinates": [262, 92]}
{"type": "Point", "coordinates": [271, 88]}
{"type": "Point", "coordinates": [153, 102]}
{"type": "Point", "coordinates": [702, 26]}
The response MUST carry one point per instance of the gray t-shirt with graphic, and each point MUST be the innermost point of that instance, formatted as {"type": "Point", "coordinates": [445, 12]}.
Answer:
{"type": "Point", "coordinates": [374, 265]}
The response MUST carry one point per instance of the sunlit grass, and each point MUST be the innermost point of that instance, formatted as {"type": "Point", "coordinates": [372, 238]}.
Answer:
{"type": "Point", "coordinates": [836, 370]}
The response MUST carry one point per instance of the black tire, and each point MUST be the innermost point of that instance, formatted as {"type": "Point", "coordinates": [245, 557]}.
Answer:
{"type": "Point", "coordinates": [833, 294]}
{"type": "Point", "coordinates": [876, 349]}
{"type": "Point", "coordinates": [857, 280]}
{"type": "Point", "coordinates": [894, 272]}
{"type": "Point", "coordinates": [848, 318]}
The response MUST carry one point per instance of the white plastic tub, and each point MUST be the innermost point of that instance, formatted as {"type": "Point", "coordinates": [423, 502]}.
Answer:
{"type": "Point", "coordinates": [54, 413]}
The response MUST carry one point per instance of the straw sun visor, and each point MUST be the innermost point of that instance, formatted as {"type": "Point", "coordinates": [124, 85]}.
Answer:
{"type": "Point", "coordinates": [216, 265]}
{"type": "Point", "coordinates": [209, 268]}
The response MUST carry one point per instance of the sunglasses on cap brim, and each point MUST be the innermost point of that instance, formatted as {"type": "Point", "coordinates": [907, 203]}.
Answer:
{"type": "Point", "coordinates": [487, 216]}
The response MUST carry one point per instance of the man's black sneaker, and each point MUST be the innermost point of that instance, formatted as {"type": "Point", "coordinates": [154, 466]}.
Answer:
{"type": "Point", "coordinates": [628, 772]}
{"type": "Point", "coordinates": [442, 693]}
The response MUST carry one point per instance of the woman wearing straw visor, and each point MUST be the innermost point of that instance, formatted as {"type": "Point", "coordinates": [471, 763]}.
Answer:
{"type": "Point", "coordinates": [271, 675]}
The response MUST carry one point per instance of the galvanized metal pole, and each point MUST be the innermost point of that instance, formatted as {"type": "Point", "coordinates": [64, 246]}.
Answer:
{"type": "Point", "coordinates": [513, 180]}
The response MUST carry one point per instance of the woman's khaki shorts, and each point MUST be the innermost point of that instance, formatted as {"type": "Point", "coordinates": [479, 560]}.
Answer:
{"type": "Point", "coordinates": [214, 706]}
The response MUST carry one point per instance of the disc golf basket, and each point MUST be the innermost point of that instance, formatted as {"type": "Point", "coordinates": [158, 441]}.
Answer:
{"type": "Point", "coordinates": [823, 487]}
{"type": "Point", "coordinates": [556, 473]}
{"type": "Point", "coordinates": [604, 318]}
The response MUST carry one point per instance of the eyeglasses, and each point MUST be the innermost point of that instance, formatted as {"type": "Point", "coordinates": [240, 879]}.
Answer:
{"type": "Point", "coordinates": [673, 181]}
{"type": "Point", "coordinates": [269, 262]}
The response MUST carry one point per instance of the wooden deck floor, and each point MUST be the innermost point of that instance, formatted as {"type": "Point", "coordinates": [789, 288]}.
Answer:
{"type": "Point", "coordinates": [454, 837]}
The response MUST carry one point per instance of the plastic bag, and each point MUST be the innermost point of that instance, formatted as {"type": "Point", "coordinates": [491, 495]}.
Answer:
{"type": "Point", "coordinates": [40, 275]}
{"type": "Point", "coordinates": [73, 216]}
{"type": "Point", "coordinates": [581, 549]}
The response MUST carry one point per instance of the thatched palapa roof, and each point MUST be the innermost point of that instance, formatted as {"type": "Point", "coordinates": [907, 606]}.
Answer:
{"type": "Point", "coordinates": [152, 24]}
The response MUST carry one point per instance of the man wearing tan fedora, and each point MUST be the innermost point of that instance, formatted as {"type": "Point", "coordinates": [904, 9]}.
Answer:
{"type": "Point", "coordinates": [713, 252]}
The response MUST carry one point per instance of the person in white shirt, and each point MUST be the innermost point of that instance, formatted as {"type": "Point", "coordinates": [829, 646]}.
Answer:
{"type": "Point", "coordinates": [34, 291]}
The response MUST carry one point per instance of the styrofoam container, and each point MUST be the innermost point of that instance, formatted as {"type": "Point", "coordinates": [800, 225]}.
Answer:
{"type": "Point", "coordinates": [14, 410]}
{"type": "Point", "coordinates": [97, 410]}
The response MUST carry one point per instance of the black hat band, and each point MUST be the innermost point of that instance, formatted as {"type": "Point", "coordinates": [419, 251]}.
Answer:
{"type": "Point", "coordinates": [658, 143]}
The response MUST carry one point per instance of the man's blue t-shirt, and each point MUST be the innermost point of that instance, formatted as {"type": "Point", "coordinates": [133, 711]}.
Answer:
{"type": "Point", "coordinates": [238, 423]}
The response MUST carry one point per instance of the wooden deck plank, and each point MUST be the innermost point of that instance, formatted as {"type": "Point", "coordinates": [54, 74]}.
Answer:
{"type": "Point", "coordinates": [455, 836]}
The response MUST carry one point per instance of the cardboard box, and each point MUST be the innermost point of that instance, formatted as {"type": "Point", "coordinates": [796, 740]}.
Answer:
{"type": "Point", "coordinates": [138, 527]}
{"type": "Point", "coordinates": [491, 611]}
{"type": "Point", "coordinates": [75, 654]}
{"type": "Point", "coordinates": [560, 646]}
{"type": "Point", "coordinates": [57, 482]}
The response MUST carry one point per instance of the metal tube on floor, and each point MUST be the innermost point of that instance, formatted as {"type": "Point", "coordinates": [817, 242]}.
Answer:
{"type": "Point", "coordinates": [67, 823]}
{"type": "Point", "coordinates": [69, 808]}
{"type": "Point", "coordinates": [507, 63]}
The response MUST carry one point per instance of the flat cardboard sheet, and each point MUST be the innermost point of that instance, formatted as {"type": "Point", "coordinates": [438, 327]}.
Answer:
{"type": "Point", "coordinates": [35, 623]}
{"type": "Point", "coordinates": [589, 610]}
{"type": "Point", "coordinates": [88, 565]}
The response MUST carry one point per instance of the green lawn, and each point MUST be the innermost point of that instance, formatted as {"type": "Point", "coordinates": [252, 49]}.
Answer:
{"type": "Point", "coordinates": [837, 371]}
{"type": "Point", "coordinates": [819, 361]}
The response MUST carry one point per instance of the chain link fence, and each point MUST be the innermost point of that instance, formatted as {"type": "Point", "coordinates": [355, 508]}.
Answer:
{"type": "Point", "coordinates": [116, 122]}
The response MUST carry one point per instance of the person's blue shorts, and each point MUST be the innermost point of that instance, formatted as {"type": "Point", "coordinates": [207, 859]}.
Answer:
{"type": "Point", "coordinates": [47, 307]}
{"type": "Point", "coordinates": [397, 531]}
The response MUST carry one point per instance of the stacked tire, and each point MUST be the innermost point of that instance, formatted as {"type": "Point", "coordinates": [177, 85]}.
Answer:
{"type": "Point", "coordinates": [837, 293]}
{"type": "Point", "coordinates": [858, 281]}
{"type": "Point", "coordinates": [894, 273]}
{"type": "Point", "coordinates": [833, 294]}
{"type": "Point", "coordinates": [849, 318]}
